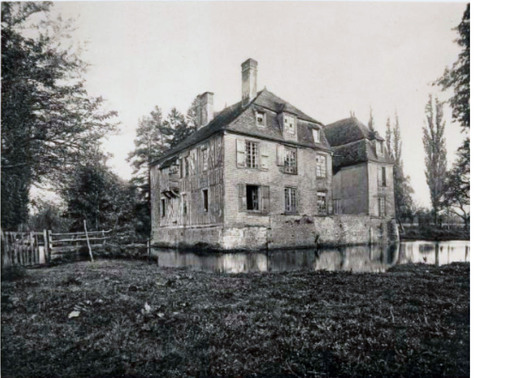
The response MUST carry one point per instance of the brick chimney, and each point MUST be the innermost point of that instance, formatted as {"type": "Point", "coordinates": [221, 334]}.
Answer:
{"type": "Point", "coordinates": [205, 109]}
{"type": "Point", "coordinates": [249, 81]}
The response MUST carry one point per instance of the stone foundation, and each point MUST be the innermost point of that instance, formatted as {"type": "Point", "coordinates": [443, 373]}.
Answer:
{"type": "Point", "coordinates": [284, 231]}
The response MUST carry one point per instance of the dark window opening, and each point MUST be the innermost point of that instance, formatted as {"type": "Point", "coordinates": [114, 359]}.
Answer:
{"type": "Point", "coordinates": [184, 204]}
{"type": "Point", "coordinates": [383, 176]}
{"type": "Point", "coordinates": [163, 207]}
{"type": "Point", "coordinates": [252, 197]}
{"type": "Point", "coordinates": [206, 200]}
{"type": "Point", "coordinates": [321, 203]}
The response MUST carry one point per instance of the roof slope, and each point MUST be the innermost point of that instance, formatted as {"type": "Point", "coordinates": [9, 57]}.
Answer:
{"type": "Point", "coordinates": [240, 119]}
{"type": "Point", "coordinates": [352, 143]}
{"type": "Point", "coordinates": [348, 130]}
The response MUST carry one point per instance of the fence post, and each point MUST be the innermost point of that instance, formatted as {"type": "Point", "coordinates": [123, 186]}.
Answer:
{"type": "Point", "coordinates": [31, 249]}
{"type": "Point", "coordinates": [88, 244]}
{"type": "Point", "coordinates": [46, 247]}
{"type": "Point", "coordinates": [50, 241]}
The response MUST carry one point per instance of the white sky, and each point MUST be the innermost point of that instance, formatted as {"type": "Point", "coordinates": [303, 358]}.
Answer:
{"type": "Point", "coordinates": [325, 58]}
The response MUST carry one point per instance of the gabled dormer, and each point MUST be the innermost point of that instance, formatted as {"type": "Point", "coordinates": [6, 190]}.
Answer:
{"type": "Point", "coordinates": [288, 123]}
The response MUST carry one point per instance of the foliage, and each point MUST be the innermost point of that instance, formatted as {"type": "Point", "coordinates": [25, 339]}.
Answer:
{"type": "Point", "coordinates": [99, 196]}
{"type": "Point", "coordinates": [457, 185]}
{"type": "Point", "coordinates": [138, 320]}
{"type": "Point", "coordinates": [435, 149]}
{"type": "Point", "coordinates": [155, 135]}
{"type": "Point", "coordinates": [48, 216]}
{"type": "Point", "coordinates": [48, 119]}
{"type": "Point", "coordinates": [458, 76]}
{"type": "Point", "coordinates": [402, 188]}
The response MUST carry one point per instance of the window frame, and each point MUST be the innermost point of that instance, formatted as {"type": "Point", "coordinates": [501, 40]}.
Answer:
{"type": "Point", "coordinates": [249, 155]}
{"type": "Point", "coordinates": [321, 193]}
{"type": "Point", "coordinates": [382, 209]}
{"type": "Point", "coordinates": [290, 169]}
{"type": "Point", "coordinates": [324, 166]}
{"type": "Point", "coordinates": [163, 206]}
{"type": "Point", "coordinates": [293, 123]}
{"type": "Point", "coordinates": [258, 197]}
{"type": "Point", "coordinates": [290, 194]}
{"type": "Point", "coordinates": [205, 158]}
{"type": "Point", "coordinates": [263, 114]}
{"type": "Point", "coordinates": [315, 131]}
{"type": "Point", "coordinates": [205, 200]}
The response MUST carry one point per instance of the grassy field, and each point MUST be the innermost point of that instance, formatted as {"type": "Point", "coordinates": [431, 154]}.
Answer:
{"type": "Point", "coordinates": [135, 319]}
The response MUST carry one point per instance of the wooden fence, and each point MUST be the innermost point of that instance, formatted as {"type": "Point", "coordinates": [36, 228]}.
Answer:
{"type": "Point", "coordinates": [37, 248]}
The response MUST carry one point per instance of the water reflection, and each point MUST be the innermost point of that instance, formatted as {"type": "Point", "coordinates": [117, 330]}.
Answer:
{"type": "Point", "coordinates": [357, 259]}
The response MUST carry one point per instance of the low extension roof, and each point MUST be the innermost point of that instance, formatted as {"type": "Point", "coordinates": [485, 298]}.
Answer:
{"type": "Point", "coordinates": [352, 143]}
{"type": "Point", "coordinates": [348, 130]}
{"type": "Point", "coordinates": [232, 119]}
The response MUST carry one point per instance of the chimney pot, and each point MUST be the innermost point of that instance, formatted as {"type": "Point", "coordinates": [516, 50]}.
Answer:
{"type": "Point", "coordinates": [249, 81]}
{"type": "Point", "coordinates": [205, 109]}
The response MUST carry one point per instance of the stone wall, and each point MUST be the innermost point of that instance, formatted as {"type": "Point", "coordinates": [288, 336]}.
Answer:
{"type": "Point", "coordinates": [283, 231]}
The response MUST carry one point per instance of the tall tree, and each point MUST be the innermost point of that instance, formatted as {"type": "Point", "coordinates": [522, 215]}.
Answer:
{"type": "Point", "coordinates": [48, 119]}
{"type": "Point", "coordinates": [401, 183]}
{"type": "Point", "coordinates": [435, 149]}
{"type": "Point", "coordinates": [456, 189]}
{"type": "Point", "coordinates": [154, 136]}
{"type": "Point", "coordinates": [458, 78]}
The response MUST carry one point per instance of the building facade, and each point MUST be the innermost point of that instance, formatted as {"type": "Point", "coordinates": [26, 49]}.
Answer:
{"type": "Point", "coordinates": [256, 175]}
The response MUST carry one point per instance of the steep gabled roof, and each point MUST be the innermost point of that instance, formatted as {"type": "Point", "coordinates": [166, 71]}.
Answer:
{"type": "Point", "coordinates": [237, 118]}
{"type": "Point", "coordinates": [348, 130]}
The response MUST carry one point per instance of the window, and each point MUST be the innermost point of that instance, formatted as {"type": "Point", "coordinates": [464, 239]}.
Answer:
{"type": "Point", "coordinates": [205, 198]}
{"type": "Point", "coordinates": [163, 207]}
{"type": "Point", "coordinates": [380, 148]}
{"type": "Point", "coordinates": [174, 170]}
{"type": "Point", "coordinates": [321, 165]}
{"type": "Point", "coordinates": [260, 118]}
{"type": "Point", "coordinates": [383, 170]}
{"type": "Point", "coordinates": [381, 206]}
{"type": "Point", "coordinates": [186, 166]}
{"type": "Point", "coordinates": [205, 158]}
{"type": "Point", "coordinates": [252, 197]}
{"type": "Point", "coordinates": [290, 160]}
{"type": "Point", "coordinates": [290, 200]}
{"type": "Point", "coordinates": [251, 154]}
{"type": "Point", "coordinates": [289, 124]}
{"type": "Point", "coordinates": [316, 135]}
{"type": "Point", "coordinates": [321, 203]}
{"type": "Point", "coordinates": [184, 204]}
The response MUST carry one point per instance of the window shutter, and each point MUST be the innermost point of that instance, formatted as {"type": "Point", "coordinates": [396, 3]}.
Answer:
{"type": "Point", "coordinates": [241, 153]}
{"type": "Point", "coordinates": [242, 201]}
{"type": "Point", "coordinates": [265, 198]}
{"type": "Point", "coordinates": [264, 156]}
{"type": "Point", "coordinates": [281, 155]}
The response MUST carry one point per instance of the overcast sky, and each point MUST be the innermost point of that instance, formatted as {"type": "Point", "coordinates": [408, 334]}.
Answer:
{"type": "Point", "coordinates": [327, 59]}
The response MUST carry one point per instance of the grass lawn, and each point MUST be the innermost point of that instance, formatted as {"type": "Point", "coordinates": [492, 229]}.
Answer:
{"type": "Point", "coordinates": [136, 319]}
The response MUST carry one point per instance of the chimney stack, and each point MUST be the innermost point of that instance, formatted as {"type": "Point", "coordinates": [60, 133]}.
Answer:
{"type": "Point", "coordinates": [205, 109]}
{"type": "Point", "coordinates": [249, 81]}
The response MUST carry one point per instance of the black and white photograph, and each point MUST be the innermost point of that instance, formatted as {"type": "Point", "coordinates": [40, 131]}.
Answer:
{"type": "Point", "coordinates": [235, 189]}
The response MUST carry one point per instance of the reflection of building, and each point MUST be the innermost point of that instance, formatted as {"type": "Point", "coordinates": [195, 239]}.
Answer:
{"type": "Point", "coordinates": [259, 175]}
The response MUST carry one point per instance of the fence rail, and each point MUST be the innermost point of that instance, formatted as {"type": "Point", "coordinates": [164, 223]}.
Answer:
{"type": "Point", "coordinates": [37, 248]}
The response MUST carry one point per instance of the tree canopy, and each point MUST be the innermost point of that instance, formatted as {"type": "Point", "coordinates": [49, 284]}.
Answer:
{"type": "Point", "coordinates": [49, 121]}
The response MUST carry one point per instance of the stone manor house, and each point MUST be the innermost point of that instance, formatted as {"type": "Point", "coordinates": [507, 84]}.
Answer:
{"type": "Point", "coordinates": [261, 174]}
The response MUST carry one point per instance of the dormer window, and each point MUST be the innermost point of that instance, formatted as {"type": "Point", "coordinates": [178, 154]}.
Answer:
{"type": "Point", "coordinates": [316, 135]}
{"type": "Point", "coordinates": [260, 119]}
{"type": "Point", "coordinates": [380, 148]}
{"type": "Point", "coordinates": [289, 124]}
